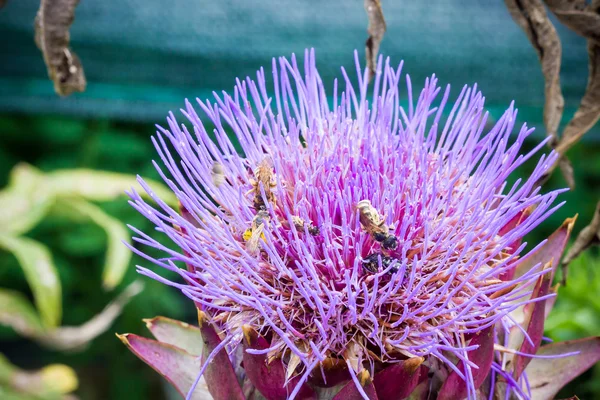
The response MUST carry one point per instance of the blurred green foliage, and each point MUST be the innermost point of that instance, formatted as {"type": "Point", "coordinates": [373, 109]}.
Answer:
{"type": "Point", "coordinates": [78, 248]}
{"type": "Point", "coordinates": [577, 314]}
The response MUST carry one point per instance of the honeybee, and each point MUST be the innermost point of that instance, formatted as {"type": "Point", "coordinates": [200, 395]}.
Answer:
{"type": "Point", "coordinates": [255, 233]}
{"type": "Point", "coordinates": [370, 218]}
{"type": "Point", "coordinates": [299, 223]}
{"type": "Point", "coordinates": [264, 174]}
{"type": "Point", "coordinates": [374, 223]}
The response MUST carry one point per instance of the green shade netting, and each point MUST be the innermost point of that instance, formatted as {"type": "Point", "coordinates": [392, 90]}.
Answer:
{"type": "Point", "coordinates": [142, 58]}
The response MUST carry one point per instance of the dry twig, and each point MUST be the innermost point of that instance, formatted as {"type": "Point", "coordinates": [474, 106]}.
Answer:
{"type": "Point", "coordinates": [52, 37]}
{"type": "Point", "coordinates": [376, 31]}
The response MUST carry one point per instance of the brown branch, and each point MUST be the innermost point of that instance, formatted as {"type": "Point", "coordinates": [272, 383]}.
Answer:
{"type": "Point", "coordinates": [52, 37]}
{"type": "Point", "coordinates": [376, 30]}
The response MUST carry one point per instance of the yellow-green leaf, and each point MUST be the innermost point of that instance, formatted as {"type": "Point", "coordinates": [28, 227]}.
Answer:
{"type": "Point", "coordinates": [18, 313]}
{"type": "Point", "coordinates": [117, 254]}
{"type": "Point", "coordinates": [47, 383]}
{"type": "Point", "coordinates": [41, 274]}
{"type": "Point", "coordinates": [101, 186]}
{"type": "Point", "coordinates": [25, 201]}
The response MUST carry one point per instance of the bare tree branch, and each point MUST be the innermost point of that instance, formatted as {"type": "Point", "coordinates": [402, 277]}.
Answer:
{"type": "Point", "coordinates": [52, 37]}
{"type": "Point", "coordinates": [376, 30]}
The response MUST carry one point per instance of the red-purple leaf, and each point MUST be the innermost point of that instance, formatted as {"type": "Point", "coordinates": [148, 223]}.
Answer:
{"type": "Point", "coordinates": [335, 371]}
{"type": "Point", "coordinates": [535, 313]}
{"type": "Point", "coordinates": [174, 364]}
{"type": "Point", "coordinates": [512, 224]}
{"type": "Point", "coordinates": [268, 378]}
{"type": "Point", "coordinates": [548, 375]}
{"type": "Point", "coordinates": [454, 387]}
{"type": "Point", "coordinates": [350, 391]}
{"type": "Point", "coordinates": [551, 250]}
{"type": "Point", "coordinates": [399, 380]}
{"type": "Point", "coordinates": [219, 375]}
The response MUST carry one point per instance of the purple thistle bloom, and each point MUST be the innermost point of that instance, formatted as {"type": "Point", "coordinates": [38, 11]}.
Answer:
{"type": "Point", "coordinates": [356, 231]}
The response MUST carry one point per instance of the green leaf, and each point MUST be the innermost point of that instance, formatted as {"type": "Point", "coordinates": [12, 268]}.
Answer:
{"type": "Point", "coordinates": [176, 333]}
{"type": "Point", "coordinates": [117, 254]}
{"type": "Point", "coordinates": [41, 274]}
{"type": "Point", "coordinates": [18, 313]}
{"type": "Point", "coordinates": [101, 186]}
{"type": "Point", "coordinates": [25, 201]}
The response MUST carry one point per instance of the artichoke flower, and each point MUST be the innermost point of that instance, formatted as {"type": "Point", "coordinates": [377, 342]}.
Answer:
{"type": "Point", "coordinates": [347, 247]}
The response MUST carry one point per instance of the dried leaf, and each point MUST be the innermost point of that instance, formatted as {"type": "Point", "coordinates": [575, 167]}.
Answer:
{"type": "Point", "coordinates": [567, 170]}
{"type": "Point", "coordinates": [589, 110]}
{"type": "Point", "coordinates": [52, 37]}
{"type": "Point", "coordinates": [533, 19]}
{"type": "Point", "coordinates": [376, 31]}
{"type": "Point", "coordinates": [577, 16]}
{"type": "Point", "coordinates": [590, 235]}
{"type": "Point", "coordinates": [584, 20]}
